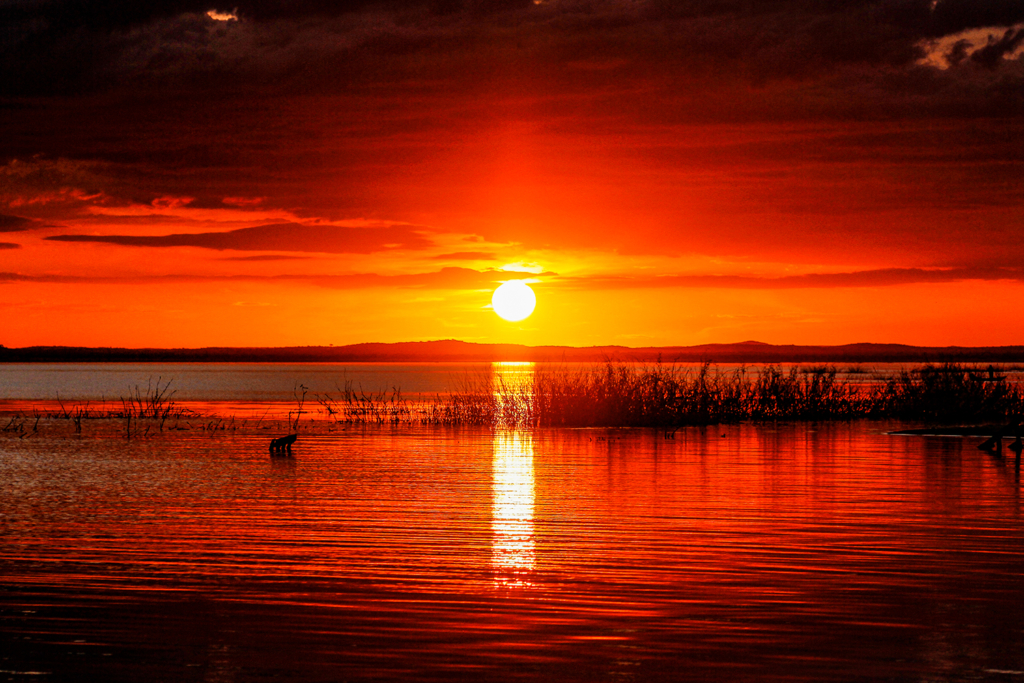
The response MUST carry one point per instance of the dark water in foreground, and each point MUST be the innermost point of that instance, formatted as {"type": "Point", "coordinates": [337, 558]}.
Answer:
{"type": "Point", "coordinates": [794, 552]}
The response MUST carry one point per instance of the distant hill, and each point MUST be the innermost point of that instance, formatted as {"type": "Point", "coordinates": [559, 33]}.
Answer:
{"type": "Point", "coordinates": [450, 350]}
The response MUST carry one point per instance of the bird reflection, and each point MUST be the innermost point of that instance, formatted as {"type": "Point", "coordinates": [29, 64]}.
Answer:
{"type": "Point", "coordinates": [513, 549]}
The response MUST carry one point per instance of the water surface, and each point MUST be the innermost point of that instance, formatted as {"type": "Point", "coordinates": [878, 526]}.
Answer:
{"type": "Point", "coordinates": [782, 552]}
{"type": "Point", "coordinates": [279, 382]}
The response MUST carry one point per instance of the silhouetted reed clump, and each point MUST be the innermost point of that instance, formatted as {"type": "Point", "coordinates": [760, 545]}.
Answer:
{"type": "Point", "coordinates": [505, 403]}
{"type": "Point", "coordinates": [354, 406]}
{"type": "Point", "coordinates": [615, 395]}
{"type": "Point", "coordinates": [462, 409]}
{"type": "Point", "coordinates": [948, 393]}
{"type": "Point", "coordinates": [668, 397]}
{"type": "Point", "coordinates": [658, 396]}
{"type": "Point", "coordinates": [155, 404]}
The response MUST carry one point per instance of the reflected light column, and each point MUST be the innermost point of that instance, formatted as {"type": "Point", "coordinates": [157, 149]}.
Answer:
{"type": "Point", "coordinates": [512, 554]}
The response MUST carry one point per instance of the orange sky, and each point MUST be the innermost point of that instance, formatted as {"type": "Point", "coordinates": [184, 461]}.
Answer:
{"type": "Point", "coordinates": [662, 173]}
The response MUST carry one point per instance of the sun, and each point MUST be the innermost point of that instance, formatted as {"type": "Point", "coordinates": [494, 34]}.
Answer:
{"type": "Point", "coordinates": [514, 301]}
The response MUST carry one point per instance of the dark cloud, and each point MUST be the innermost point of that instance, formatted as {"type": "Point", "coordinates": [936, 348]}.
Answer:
{"type": "Point", "coordinates": [953, 16]}
{"type": "Point", "coordinates": [466, 256]}
{"type": "Point", "coordinates": [280, 237]}
{"type": "Point", "coordinates": [7, 278]}
{"type": "Point", "coordinates": [408, 109]}
{"type": "Point", "coordinates": [108, 15]}
{"type": "Point", "coordinates": [457, 278]}
{"type": "Point", "coordinates": [884, 277]}
{"type": "Point", "coordinates": [9, 245]}
{"type": "Point", "coordinates": [265, 257]}
{"type": "Point", "coordinates": [446, 278]}
{"type": "Point", "coordinates": [959, 51]}
{"type": "Point", "coordinates": [14, 223]}
{"type": "Point", "coordinates": [68, 46]}
{"type": "Point", "coordinates": [991, 55]}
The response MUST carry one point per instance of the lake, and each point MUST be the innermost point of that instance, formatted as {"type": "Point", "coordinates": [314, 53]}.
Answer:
{"type": "Point", "coordinates": [788, 552]}
{"type": "Point", "coordinates": [277, 383]}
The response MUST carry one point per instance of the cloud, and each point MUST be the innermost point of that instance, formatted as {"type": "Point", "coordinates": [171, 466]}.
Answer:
{"type": "Point", "coordinates": [466, 256]}
{"type": "Point", "coordinates": [280, 237]}
{"type": "Point", "coordinates": [457, 278]}
{"type": "Point", "coordinates": [38, 182]}
{"type": "Point", "coordinates": [953, 16]}
{"type": "Point", "coordinates": [986, 46]}
{"type": "Point", "coordinates": [451, 278]}
{"type": "Point", "coordinates": [7, 278]}
{"type": "Point", "coordinates": [9, 245]}
{"type": "Point", "coordinates": [14, 223]}
{"type": "Point", "coordinates": [536, 124]}
{"type": "Point", "coordinates": [265, 257]}
{"type": "Point", "coordinates": [884, 277]}
{"type": "Point", "coordinates": [996, 50]}
{"type": "Point", "coordinates": [70, 46]}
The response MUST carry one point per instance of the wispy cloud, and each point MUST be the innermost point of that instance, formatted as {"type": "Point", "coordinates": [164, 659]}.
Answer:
{"type": "Point", "coordinates": [987, 46]}
{"type": "Point", "coordinates": [466, 256]}
{"type": "Point", "coordinates": [451, 278]}
{"type": "Point", "coordinates": [329, 239]}
{"type": "Point", "coordinates": [884, 277]}
{"type": "Point", "coordinates": [266, 257]}
{"type": "Point", "coordinates": [13, 223]}
{"type": "Point", "coordinates": [456, 278]}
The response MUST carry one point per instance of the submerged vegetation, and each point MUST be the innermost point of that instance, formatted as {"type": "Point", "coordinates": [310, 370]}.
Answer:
{"type": "Point", "coordinates": [138, 414]}
{"type": "Point", "coordinates": [615, 395]}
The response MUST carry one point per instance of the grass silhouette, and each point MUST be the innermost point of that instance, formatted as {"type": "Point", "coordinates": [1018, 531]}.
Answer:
{"type": "Point", "coordinates": [620, 395]}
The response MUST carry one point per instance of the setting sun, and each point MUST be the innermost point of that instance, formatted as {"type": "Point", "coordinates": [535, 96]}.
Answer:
{"type": "Point", "coordinates": [514, 301]}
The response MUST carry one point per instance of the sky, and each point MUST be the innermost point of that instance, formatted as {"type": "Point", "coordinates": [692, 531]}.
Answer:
{"type": "Point", "coordinates": [178, 173]}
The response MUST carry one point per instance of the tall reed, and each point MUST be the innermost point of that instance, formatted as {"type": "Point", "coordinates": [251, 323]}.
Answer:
{"type": "Point", "coordinates": [627, 395]}
{"type": "Point", "coordinates": [155, 403]}
{"type": "Point", "coordinates": [620, 395]}
{"type": "Point", "coordinates": [948, 393]}
{"type": "Point", "coordinates": [358, 406]}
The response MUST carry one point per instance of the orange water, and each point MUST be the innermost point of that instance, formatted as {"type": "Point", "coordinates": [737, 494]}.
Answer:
{"type": "Point", "coordinates": [793, 552]}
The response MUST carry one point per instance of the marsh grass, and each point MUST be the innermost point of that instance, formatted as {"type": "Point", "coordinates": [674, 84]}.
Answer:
{"type": "Point", "coordinates": [155, 404]}
{"type": "Point", "coordinates": [948, 393]}
{"type": "Point", "coordinates": [667, 397]}
{"type": "Point", "coordinates": [461, 409]}
{"type": "Point", "coordinates": [506, 401]}
{"type": "Point", "coordinates": [141, 411]}
{"type": "Point", "coordinates": [352, 406]}
{"type": "Point", "coordinates": [16, 425]}
{"type": "Point", "coordinates": [614, 395]}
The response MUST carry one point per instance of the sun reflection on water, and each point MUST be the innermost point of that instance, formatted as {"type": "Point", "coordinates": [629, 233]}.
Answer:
{"type": "Point", "coordinates": [513, 557]}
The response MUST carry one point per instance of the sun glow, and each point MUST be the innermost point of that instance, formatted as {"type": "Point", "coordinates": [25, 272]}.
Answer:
{"type": "Point", "coordinates": [514, 301]}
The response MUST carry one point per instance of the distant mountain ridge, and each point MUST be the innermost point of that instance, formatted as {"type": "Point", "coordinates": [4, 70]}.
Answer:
{"type": "Point", "coordinates": [451, 350]}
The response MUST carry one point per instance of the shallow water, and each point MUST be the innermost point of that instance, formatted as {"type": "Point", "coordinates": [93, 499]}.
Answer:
{"type": "Point", "coordinates": [791, 552]}
{"type": "Point", "coordinates": [260, 383]}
